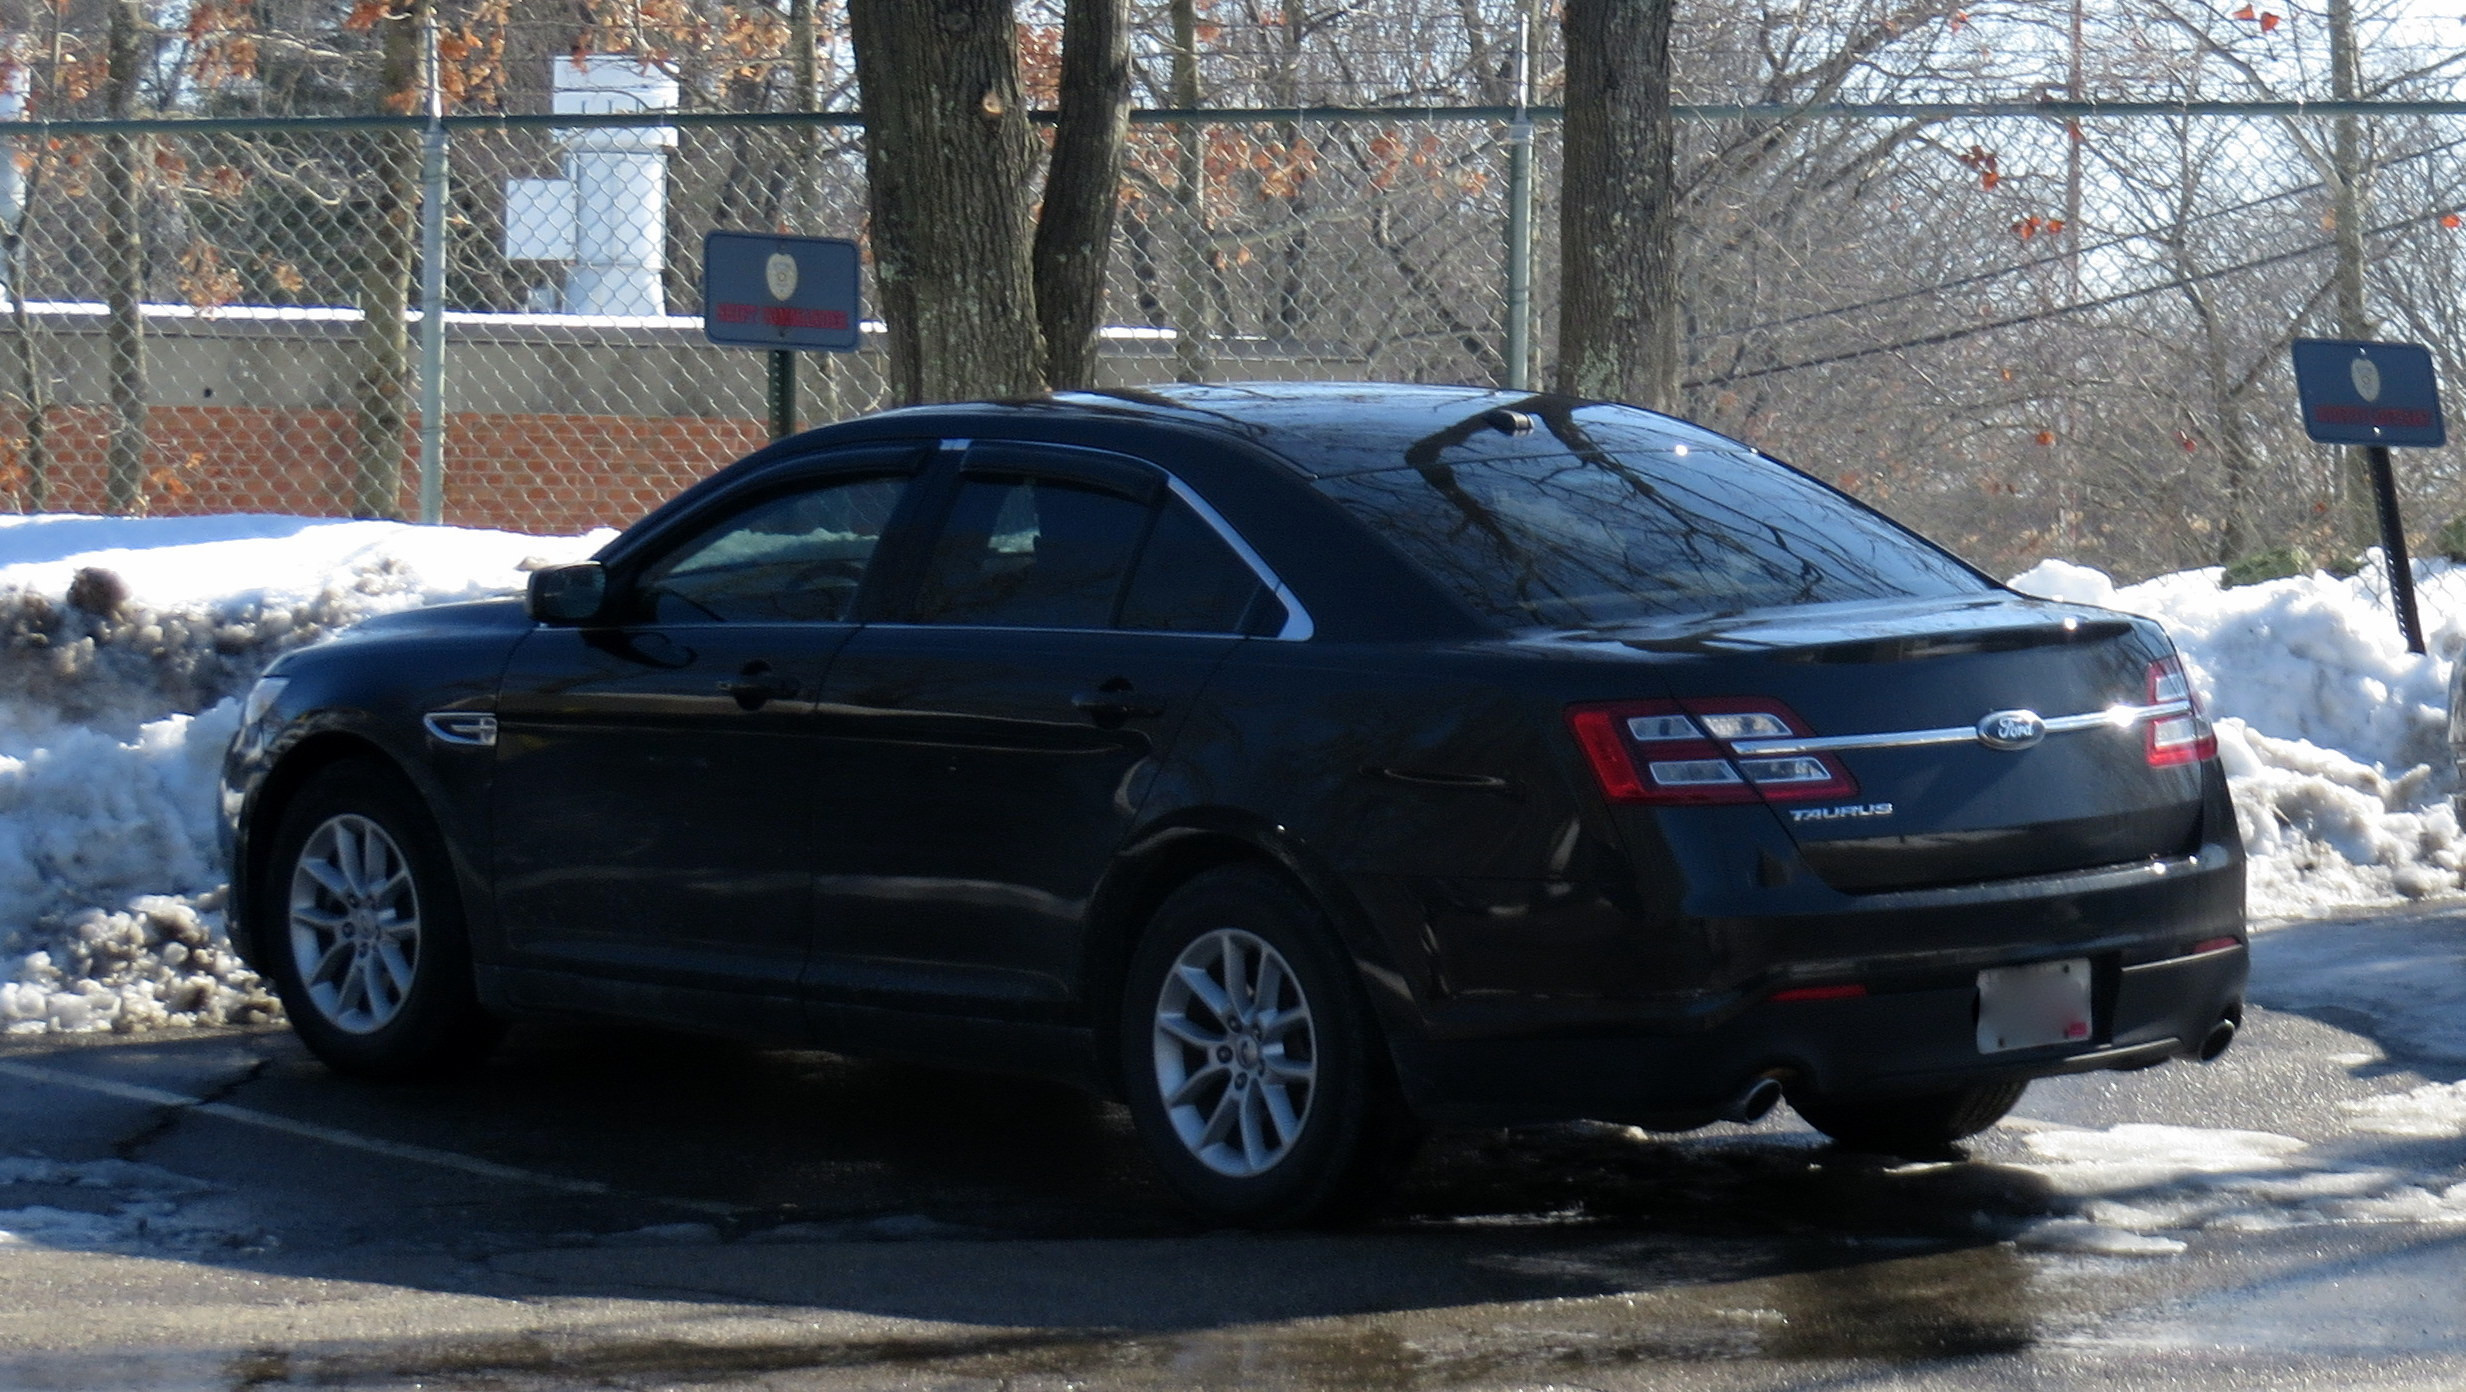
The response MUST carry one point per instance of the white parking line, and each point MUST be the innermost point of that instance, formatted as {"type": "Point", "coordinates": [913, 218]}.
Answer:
{"type": "Point", "coordinates": [350, 1140]}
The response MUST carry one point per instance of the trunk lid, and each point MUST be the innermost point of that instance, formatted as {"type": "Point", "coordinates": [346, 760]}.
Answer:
{"type": "Point", "coordinates": [1899, 695]}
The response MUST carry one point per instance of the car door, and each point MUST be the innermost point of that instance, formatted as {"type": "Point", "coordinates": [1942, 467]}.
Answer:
{"type": "Point", "coordinates": [654, 776]}
{"type": "Point", "coordinates": [982, 759]}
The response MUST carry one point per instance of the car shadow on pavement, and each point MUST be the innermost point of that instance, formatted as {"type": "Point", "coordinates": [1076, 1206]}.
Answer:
{"type": "Point", "coordinates": [1002, 1216]}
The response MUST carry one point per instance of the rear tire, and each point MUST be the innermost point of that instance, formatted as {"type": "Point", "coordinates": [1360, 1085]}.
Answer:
{"type": "Point", "coordinates": [1918, 1125]}
{"type": "Point", "coordinates": [361, 928]}
{"type": "Point", "coordinates": [1255, 1072]}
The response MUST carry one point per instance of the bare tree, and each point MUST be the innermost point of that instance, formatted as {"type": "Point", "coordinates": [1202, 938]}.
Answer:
{"type": "Point", "coordinates": [126, 157]}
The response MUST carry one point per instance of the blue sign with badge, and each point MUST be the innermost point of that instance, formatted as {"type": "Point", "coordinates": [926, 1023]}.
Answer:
{"type": "Point", "coordinates": [763, 291]}
{"type": "Point", "coordinates": [2355, 393]}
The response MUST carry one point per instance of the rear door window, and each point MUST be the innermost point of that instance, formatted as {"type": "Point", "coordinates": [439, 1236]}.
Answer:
{"type": "Point", "coordinates": [1612, 535]}
{"type": "Point", "coordinates": [1049, 537]}
{"type": "Point", "coordinates": [1031, 552]}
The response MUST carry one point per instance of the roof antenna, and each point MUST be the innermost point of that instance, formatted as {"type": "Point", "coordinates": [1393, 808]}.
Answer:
{"type": "Point", "coordinates": [1507, 422]}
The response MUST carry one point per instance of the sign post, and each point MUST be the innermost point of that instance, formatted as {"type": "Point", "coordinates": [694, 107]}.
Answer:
{"type": "Point", "coordinates": [780, 294]}
{"type": "Point", "coordinates": [2379, 396]}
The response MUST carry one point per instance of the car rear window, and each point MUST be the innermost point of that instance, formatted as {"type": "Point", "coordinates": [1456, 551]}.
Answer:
{"type": "Point", "coordinates": [1610, 535]}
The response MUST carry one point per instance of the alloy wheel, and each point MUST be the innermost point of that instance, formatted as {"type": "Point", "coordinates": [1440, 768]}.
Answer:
{"type": "Point", "coordinates": [1236, 1056]}
{"type": "Point", "coordinates": [355, 923]}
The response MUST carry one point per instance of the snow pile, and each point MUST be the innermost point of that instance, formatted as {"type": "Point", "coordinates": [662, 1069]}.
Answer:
{"type": "Point", "coordinates": [2334, 737]}
{"type": "Point", "coordinates": [124, 647]}
{"type": "Point", "coordinates": [164, 960]}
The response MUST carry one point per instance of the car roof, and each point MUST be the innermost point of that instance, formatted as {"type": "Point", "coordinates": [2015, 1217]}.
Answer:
{"type": "Point", "coordinates": [1333, 429]}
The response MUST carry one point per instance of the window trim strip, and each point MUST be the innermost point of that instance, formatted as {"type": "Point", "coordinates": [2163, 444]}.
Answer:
{"type": "Point", "coordinates": [2118, 717]}
{"type": "Point", "coordinates": [1298, 625]}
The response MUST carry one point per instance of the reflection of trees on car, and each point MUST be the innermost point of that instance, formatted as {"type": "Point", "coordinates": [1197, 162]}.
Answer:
{"type": "Point", "coordinates": [1633, 529]}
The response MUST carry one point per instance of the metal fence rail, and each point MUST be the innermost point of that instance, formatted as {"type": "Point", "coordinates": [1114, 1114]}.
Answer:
{"type": "Point", "coordinates": [2031, 328]}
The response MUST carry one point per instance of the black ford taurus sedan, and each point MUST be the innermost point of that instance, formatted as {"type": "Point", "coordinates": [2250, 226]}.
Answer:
{"type": "Point", "coordinates": [1299, 764]}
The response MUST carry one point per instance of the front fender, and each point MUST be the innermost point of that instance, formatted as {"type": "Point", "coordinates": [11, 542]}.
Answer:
{"type": "Point", "coordinates": [352, 698]}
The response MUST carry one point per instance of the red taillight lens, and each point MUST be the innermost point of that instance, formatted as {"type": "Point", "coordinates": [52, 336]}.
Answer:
{"type": "Point", "coordinates": [1596, 731]}
{"type": "Point", "coordinates": [1846, 991]}
{"type": "Point", "coordinates": [2184, 738]}
{"type": "Point", "coordinates": [1685, 752]}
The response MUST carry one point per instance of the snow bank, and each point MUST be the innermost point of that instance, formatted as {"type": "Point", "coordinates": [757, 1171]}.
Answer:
{"type": "Point", "coordinates": [125, 644]}
{"type": "Point", "coordinates": [2334, 737]}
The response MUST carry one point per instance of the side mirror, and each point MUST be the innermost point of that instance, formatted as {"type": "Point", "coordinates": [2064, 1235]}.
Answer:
{"type": "Point", "coordinates": [568, 594]}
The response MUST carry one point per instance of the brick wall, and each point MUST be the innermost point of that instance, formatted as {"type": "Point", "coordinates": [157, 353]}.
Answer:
{"type": "Point", "coordinates": [544, 473]}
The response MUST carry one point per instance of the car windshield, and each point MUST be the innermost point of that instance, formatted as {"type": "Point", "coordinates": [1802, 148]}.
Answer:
{"type": "Point", "coordinates": [1609, 535]}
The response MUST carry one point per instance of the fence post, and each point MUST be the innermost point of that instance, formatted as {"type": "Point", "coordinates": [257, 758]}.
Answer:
{"type": "Point", "coordinates": [432, 294]}
{"type": "Point", "coordinates": [1519, 349]}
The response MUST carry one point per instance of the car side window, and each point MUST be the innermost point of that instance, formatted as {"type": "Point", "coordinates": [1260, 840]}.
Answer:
{"type": "Point", "coordinates": [1188, 580]}
{"type": "Point", "coordinates": [795, 558]}
{"type": "Point", "coordinates": [1029, 552]}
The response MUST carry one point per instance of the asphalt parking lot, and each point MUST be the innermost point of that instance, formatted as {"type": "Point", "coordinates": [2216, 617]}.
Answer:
{"type": "Point", "coordinates": [632, 1210]}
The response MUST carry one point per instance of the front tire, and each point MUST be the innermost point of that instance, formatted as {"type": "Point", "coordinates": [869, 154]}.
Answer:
{"type": "Point", "coordinates": [363, 932]}
{"type": "Point", "coordinates": [1920, 1125]}
{"type": "Point", "coordinates": [1255, 1073]}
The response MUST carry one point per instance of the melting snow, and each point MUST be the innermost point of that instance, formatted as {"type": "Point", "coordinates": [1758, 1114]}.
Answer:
{"type": "Point", "coordinates": [2334, 737]}
{"type": "Point", "coordinates": [2433, 1110]}
{"type": "Point", "coordinates": [139, 1206]}
{"type": "Point", "coordinates": [2133, 1186]}
{"type": "Point", "coordinates": [128, 643]}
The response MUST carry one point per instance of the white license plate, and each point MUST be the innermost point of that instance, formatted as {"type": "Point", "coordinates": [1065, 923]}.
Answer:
{"type": "Point", "coordinates": [2034, 1006]}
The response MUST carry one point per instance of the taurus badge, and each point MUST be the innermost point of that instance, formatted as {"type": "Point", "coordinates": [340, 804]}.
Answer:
{"type": "Point", "coordinates": [2011, 730]}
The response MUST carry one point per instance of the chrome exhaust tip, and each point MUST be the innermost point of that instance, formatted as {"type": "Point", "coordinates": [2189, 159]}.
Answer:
{"type": "Point", "coordinates": [1751, 1105]}
{"type": "Point", "coordinates": [2220, 1036]}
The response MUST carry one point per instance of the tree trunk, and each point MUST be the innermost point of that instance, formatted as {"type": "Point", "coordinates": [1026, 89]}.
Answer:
{"type": "Point", "coordinates": [381, 416]}
{"type": "Point", "coordinates": [34, 397]}
{"type": "Point", "coordinates": [1191, 360]}
{"type": "Point", "coordinates": [948, 156]}
{"type": "Point", "coordinates": [125, 158]}
{"type": "Point", "coordinates": [1074, 233]}
{"type": "Point", "coordinates": [1618, 316]}
{"type": "Point", "coordinates": [1291, 294]}
{"type": "Point", "coordinates": [804, 212]}
{"type": "Point", "coordinates": [2359, 511]}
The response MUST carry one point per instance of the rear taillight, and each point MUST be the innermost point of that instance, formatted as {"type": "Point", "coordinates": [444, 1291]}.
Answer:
{"type": "Point", "coordinates": [2184, 737]}
{"type": "Point", "coordinates": [1685, 752]}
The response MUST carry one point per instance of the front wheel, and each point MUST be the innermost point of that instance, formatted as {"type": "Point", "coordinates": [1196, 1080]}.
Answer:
{"type": "Point", "coordinates": [1256, 1076]}
{"type": "Point", "coordinates": [363, 928]}
{"type": "Point", "coordinates": [1917, 1125]}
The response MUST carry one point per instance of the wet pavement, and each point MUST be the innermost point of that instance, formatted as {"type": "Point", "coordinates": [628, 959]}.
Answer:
{"type": "Point", "coordinates": [631, 1210]}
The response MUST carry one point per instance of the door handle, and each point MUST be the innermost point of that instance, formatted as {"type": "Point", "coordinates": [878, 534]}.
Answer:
{"type": "Point", "coordinates": [1114, 702]}
{"type": "Point", "coordinates": [758, 685]}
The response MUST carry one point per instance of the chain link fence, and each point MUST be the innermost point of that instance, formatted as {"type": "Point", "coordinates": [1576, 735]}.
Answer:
{"type": "Point", "coordinates": [2028, 334]}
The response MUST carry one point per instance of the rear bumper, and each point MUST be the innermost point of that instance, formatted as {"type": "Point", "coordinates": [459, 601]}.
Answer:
{"type": "Point", "coordinates": [1894, 1043]}
{"type": "Point", "coordinates": [1679, 1062]}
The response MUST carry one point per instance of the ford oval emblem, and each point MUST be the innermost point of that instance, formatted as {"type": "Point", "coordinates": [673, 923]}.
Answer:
{"type": "Point", "coordinates": [2012, 729]}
